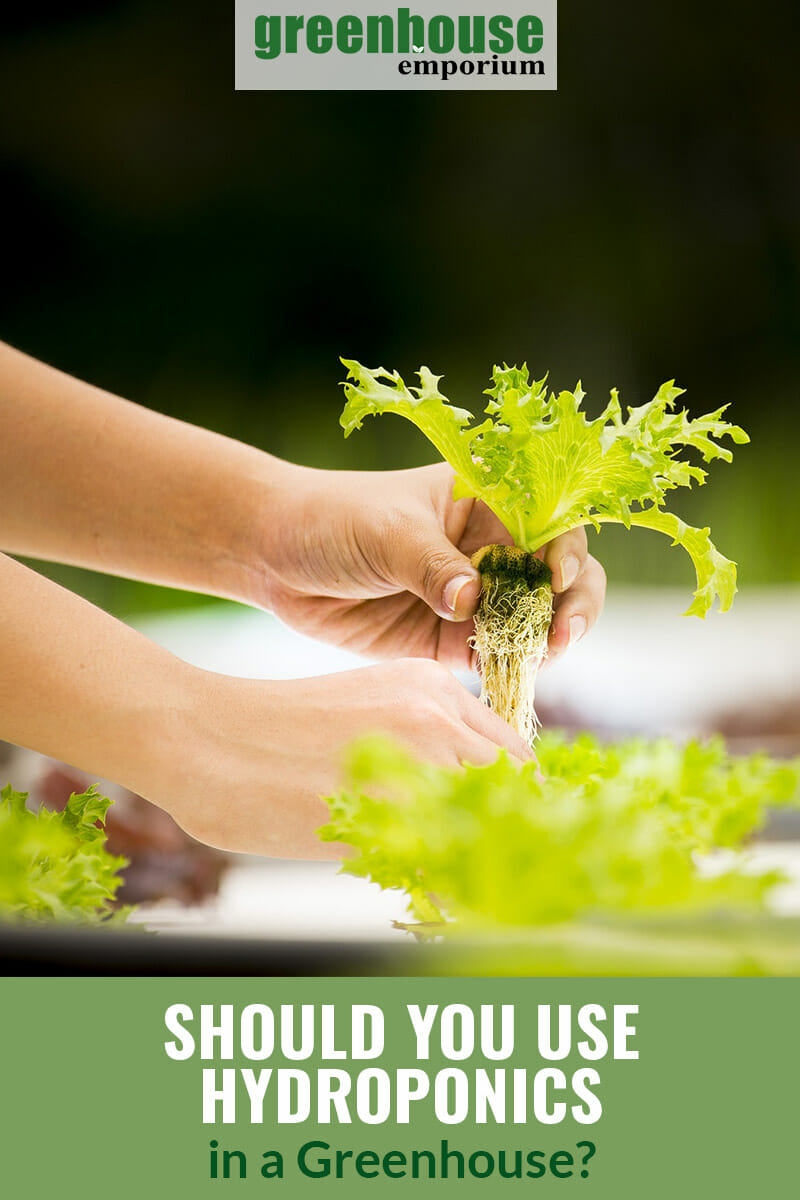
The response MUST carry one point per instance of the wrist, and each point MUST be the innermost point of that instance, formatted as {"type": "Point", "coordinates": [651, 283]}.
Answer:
{"type": "Point", "coordinates": [274, 506]}
{"type": "Point", "coordinates": [243, 505]}
{"type": "Point", "coordinates": [199, 756]}
{"type": "Point", "coordinates": [155, 730]}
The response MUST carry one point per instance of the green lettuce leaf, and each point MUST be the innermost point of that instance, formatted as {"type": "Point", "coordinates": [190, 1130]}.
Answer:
{"type": "Point", "coordinates": [543, 467]}
{"type": "Point", "coordinates": [590, 831]}
{"type": "Point", "coordinates": [54, 865]}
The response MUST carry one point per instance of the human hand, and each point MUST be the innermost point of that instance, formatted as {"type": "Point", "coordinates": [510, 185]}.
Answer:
{"type": "Point", "coordinates": [254, 757]}
{"type": "Point", "coordinates": [378, 562]}
{"type": "Point", "coordinates": [239, 763]}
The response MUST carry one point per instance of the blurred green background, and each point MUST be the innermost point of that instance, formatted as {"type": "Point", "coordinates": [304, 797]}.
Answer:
{"type": "Point", "coordinates": [210, 254]}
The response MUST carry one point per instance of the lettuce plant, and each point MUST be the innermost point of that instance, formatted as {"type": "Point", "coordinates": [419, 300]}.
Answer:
{"type": "Point", "coordinates": [54, 865]}
{"type": "Point", "coordinates": [590, 831]}
{"type": "Point", "coordinates": [543, 467]}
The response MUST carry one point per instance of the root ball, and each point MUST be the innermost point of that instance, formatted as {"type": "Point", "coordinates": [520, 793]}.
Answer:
{"type": "Point", "coordinates": [511, 629]}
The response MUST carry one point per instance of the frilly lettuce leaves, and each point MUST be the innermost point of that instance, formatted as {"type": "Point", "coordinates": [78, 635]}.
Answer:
{"type": "Point", "coordinates": [544, 468]}
{"type": "Point", "coordinates": [54, 865]}
{"type": "Point", "coordinates": [590, 831]}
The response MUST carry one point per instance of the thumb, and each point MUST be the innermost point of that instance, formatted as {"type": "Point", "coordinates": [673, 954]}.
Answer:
{"type": "Point", "coordinates": [429, 565]}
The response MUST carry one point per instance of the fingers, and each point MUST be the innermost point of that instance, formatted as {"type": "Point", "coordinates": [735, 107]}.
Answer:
{"type": "Point", "coordinates": [453, 647]}
{"type": "Point", "coordinates": [492, 727]}
{"type": "Point", "coordinates": [424, 561]}
{"type": "Point", "coordinates": [471, 747]}
{"type": "Point", "coordinates": [444, 720]}
{"type": "Point", "coordinates": [579, 586]}
{"type": "Point", "coordinates": [479, 752]}
{"type": "Point", "coordinates": [483, 529]}
{"type": "Point", "coordinates": [577, 609]}
{"type": "Point", "coordinates": [566, 556]}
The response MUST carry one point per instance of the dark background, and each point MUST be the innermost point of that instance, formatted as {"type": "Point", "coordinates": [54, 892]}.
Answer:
{"type": "Point", "coordinates": [210, 254]}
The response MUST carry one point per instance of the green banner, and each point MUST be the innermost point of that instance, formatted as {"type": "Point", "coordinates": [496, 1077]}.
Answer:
{"type": "Point", "coordinates": [625, 1088]}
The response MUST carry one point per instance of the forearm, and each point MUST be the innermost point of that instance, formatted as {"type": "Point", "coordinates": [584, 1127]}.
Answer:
{"type": "Point", "coordinates": [80, 686]}
{"type": "Point", "coordinates": [99, 482]}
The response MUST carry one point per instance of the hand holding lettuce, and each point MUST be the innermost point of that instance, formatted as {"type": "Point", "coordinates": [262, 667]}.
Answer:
{"type": "Point", "coordinates": [344, 555]}
{"type": "Point", "coordinates": [587, 832]}
{"type": "Point", "coordinates": [544, 469]}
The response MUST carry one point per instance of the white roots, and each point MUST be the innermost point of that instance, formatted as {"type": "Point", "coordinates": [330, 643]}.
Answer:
{"type": "Point", "coordinates": [511, 630]}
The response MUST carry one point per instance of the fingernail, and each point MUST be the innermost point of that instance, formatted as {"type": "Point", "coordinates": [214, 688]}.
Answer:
{"type": "Point", "coordinates": [452, 592]}
{"type": "Point", "coordinates": [577, 628]}
{"type": "Point", "coordinates": [569, 570]}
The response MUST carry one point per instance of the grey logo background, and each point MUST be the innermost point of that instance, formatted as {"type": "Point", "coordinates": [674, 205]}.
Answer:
{"type": "Point", "coordinates": [363, 71]}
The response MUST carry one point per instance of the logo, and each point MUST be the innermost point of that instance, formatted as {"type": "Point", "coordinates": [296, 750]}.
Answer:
{"type": "Point", "coordinates": [355, 46]}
